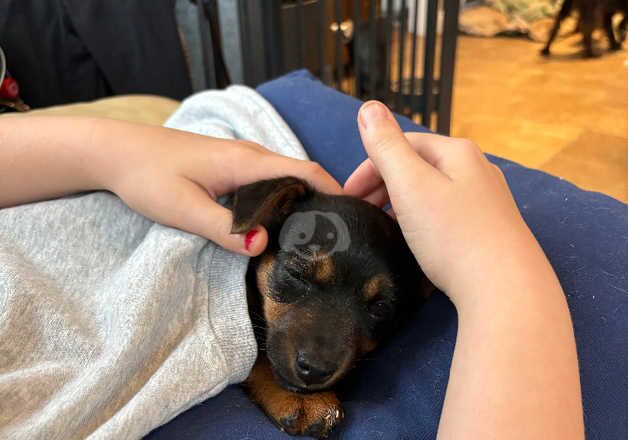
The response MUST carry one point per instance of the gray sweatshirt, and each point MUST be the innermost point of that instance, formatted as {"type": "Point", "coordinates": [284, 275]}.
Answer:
{"type": "Point", "coordinates": [111, 324]}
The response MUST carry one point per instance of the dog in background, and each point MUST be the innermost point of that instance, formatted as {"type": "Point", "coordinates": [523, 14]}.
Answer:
{"type": "Point", "coordinates": [592, 12]}
{"type": "Point", "coordinates": [336, 280]}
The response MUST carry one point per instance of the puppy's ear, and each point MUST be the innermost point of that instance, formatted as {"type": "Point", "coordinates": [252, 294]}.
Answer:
{"type": "Point", "coordinates": [266, 202]}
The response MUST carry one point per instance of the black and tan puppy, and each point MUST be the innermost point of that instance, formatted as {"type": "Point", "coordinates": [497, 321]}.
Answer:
{"type": "Point", "coordinates": [592, 12]}
{"type": "Point", "coordinates": [336, 279]}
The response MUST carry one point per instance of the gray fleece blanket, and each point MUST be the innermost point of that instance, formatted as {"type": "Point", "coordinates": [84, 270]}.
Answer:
{"type": "Point", "coordinates": [111, 324]}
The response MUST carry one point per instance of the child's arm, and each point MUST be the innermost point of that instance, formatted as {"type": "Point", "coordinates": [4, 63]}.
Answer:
{"type": "Point", "coordinates": [170, 176]}
{"type": "Point", "coordinates": [515, 369]}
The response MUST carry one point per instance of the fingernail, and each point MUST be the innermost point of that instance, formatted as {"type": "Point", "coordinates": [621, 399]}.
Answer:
{"type": "Point", "coordinates": [372, 112]}
{"type": "Point", "coordinates": [248, 238]}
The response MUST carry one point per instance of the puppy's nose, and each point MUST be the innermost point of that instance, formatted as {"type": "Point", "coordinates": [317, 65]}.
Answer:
{"type": "Point", "coordinates": [312, 371]}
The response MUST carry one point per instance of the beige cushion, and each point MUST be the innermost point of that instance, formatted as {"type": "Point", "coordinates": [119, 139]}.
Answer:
{"type": "Point", "coordinates": [147, 109]}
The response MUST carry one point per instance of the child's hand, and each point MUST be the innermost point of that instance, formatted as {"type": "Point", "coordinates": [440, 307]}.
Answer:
{"type": "Point", "coordinates": [453, 205]}
{"type": "Point", "coordinates": [170, 176]}
{"type": "Point", "coordinates": [177, 179]}
{"type": "Point", "coordinates": [514, 371]}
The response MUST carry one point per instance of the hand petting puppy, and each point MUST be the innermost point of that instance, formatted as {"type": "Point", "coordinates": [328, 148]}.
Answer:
{"type": "Point", "coordinates": [514, 372]}
{"type": "Point", "coordinates": [170, 176]}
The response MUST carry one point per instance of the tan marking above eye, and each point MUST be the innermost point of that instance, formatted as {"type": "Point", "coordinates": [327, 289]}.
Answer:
{"type": "Point", "coordinates": [324, 270]}
{"type": "Point", "coordinates": [272, 309]}
{"type": "Point", "coordinates": [367, 345]}
{"type": "Point", "coordinates": [373, 286]}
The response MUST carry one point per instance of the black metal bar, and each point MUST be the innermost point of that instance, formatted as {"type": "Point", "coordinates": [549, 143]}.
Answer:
{"type": "Point", "coordinates": [273, 37]}
{"type": "Point", "coordinates": [357, 21]}
{"type": "Point", "coordinates": [428, 63]}
{"type": "Point", "coordinates": [413, 57]}
{"type": "Point", "coordinates": [388, 61]}
{"type": "Point", "coordinates": [401, 42]}
{"type": "Point", "coordinates": [253, 59]}
{"type": "Point", "coordinates": [247, 63]}
{"type": "Point", "coordinates": [372, 49]}
{"type": "Point", "coordinates": [207, 52]}
{"type": "Point", "coordinates": [300, 29]}
{"type": "Point", "coordinates": [338, 47]}
{"type": "Point", "coordinates": [448, 59]}
{"type": "Point", "coordinates": [323, 41]}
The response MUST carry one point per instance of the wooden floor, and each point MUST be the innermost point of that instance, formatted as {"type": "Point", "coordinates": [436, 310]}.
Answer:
{"type": "Point", "coordinates": [565, 115]}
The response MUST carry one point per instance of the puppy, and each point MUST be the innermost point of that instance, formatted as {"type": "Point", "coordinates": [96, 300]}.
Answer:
{"type": "Point", "coordinates": [336, 279]}
{"type": "Point", "coordinates": [592, 12]}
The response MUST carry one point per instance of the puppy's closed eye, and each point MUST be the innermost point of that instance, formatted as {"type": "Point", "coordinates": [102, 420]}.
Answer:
{"type": "Point", "coordinates": [299, 269]}
{"type": "Point", "coordinates": [380, 309]}
{"type": "Point", "coordinates": [374, 292]}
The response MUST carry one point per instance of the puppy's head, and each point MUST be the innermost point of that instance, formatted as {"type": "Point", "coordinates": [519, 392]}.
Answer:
{"type": "Point", "coordinates": [336, 278]}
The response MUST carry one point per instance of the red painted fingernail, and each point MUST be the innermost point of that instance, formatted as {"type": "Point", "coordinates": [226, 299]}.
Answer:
{"type": "Point", "coordinates": [248, 238]}
{"type": "Point", "coordinates": [9, 89]}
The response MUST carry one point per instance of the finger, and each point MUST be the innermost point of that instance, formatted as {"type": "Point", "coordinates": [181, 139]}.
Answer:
{"type": "Point", "coordinates": [379, 197]}
{"type": "Point", "coordinates": [268, 165]}
{"type": "Point", "coordinates": [388, 148]}
{"type": "Point", "coordinates": [279, 166]}
{"type": "Point", "coordinates": [452, 156]}
{"type": "Point", "coordinates": [317, 177]}
{"type": "Point", "coordinates": [364, 180]}
{"type": "Point", "coordinates": [193, 210]}
{"type": "Point", "coordinates": [429, 146]}
{"type": "Point", "coordinates": [442, 152]}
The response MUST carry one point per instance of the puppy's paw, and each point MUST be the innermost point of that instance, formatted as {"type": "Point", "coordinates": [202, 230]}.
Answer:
{"type": "Point", "coordinates": [314, 415]}
{"type": "Point", "coordinates": [322, 412]}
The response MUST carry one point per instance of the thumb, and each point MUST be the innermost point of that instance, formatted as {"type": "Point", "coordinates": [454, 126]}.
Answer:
{"type": "Point", "coordinates": [190, 208]}
{"type": "Point", "coordinates": [388, 148]}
